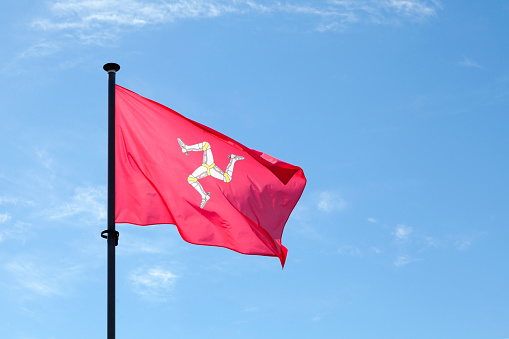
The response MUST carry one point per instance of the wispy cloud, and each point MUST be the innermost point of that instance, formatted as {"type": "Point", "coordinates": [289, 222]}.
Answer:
{"type": "Point", "coordinates": [92, 21]}
{"type": "Point", "coordinates": [4, 200]}
{"type": "Point", "coordinates": [10, 227]}
{"type": "Point", "coordinates": [411, 8]}
{"type": "Point", "coordinates": [39, 279]}
{"type": "Point", "coordinates": [467, 62]}
{"type": "Point", "coordinates": [464, 242]}
{"type": "Point", "coordinates": [402, 232]}
{"type": "Point", "coordinates": [86, 200]}
{"type": "Point", "coordinates": [387, 11]}
{"type": "Point", "coordinates": [431, 242]}
{"type": "Point", "coordinates": [4, 217]}
{"type": "Point", "coordinates": [405, 244]}
{"type": "Point", "coordinates": [40, 49]}
{"type": "Point", "coordinates": [33, 278]}
{"type": "Point", "coordinates": [330, 202]}
{"type": "Point", "coordinates": [155, 284]}
{"type": "Point", "coordinates": [13, 230]}
{"type": "Point", "coordinates": [94, 14]}
{"type": "Point", "coordinates": [44, 158]}
{"type": "Point", "coordinates": [14, 201]}
{"type": "Point", "coordinates": [403, 260]}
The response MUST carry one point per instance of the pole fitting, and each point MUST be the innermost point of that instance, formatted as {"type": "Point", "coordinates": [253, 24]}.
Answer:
{"type": "Point", "coordinates": [116, 235]}
{"type": "Point", "coordinates": [111, 67]}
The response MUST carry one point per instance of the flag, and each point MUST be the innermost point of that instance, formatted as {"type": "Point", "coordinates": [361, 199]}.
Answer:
{"type": "Point", "coordinates": [217, 192]}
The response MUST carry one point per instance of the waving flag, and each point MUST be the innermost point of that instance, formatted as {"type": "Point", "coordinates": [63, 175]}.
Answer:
{"type": "Point", "coordinates": [172, 170]}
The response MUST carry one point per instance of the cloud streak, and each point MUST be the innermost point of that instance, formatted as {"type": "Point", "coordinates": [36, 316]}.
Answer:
{"type": "Point", "coordinates": [403, 232]}
{"type": "Point", "coordinates": [4, 217]}
{"type": "Point", "coordinates": [13, 230]}
{"type": "Point", "coordinates": [14, 201]}
{"type": "Point", "coordinates": [154, 284]}
{"type": "Point", "coordinates": [469, 63]}
{"type": "Point", "coordinates": [88, 20]}
{"type": "Point", "coordinates": [330, 202]}
{"type": "Point", "coordinates": [403, 260]}
{"type": "Point", "coordinates": [41, 280]}
{"type": "Point", "coordinates": [90, 14]}
{"type": "Point", "coordinates": [86, 200]}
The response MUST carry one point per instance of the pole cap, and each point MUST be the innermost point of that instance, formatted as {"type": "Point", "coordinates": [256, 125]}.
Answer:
{"type": "Point", "coordinates": [111, 67]}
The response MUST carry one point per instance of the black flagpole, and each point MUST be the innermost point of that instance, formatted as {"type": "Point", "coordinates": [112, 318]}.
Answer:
{"type": "Point", "coordinates": [111, 233]}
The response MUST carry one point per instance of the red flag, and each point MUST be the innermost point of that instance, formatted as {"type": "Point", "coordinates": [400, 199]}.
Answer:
{"type": "Point", "coordinates": [172, 170]}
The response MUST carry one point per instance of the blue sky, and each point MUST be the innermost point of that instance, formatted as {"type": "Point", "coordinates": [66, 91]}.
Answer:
{"type": "Point", "coordinates": [397, 111]}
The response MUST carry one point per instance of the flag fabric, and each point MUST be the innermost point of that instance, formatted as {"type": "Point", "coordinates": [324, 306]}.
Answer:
{"type": "Point", "coordinates": [216, 191]}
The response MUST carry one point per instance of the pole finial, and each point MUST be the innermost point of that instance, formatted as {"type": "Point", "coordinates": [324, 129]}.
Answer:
{"type": "Point", "coordinates": [111, 67]}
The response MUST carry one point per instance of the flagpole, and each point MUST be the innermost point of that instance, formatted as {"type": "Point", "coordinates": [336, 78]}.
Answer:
{"type": "Point", "coordinates": [112, 234]}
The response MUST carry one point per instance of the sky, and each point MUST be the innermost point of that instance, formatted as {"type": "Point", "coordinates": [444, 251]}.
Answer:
{"type": "Point", "coordinates": [396, 110]}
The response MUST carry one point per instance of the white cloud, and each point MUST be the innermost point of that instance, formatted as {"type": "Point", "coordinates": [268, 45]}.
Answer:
{"type": "Point", "coordinates": [386, 11]}
{"type": "Point", "coordinates": [407, 243]}
{"type": "Point", "coordinates": [40, 279]}
{"type": "Point", "coordinates": [467, 62]}
{"type": "Point", "coordinates": [44, 158]}
{"type": "Point", "coordinates": [403, 232]}
{"type": "Point", "coordinates": [88, 200]}
{"type": "Point", "coordinates": [330, 202]}
{"type": "Point", "coordinates": [431, 242]}
{"type": "Point", "coordinates": [154, 284]}
{"type": "Point", "coordinates": [32, 278]}
{"type": "Point", "coordinates": [4, 200]}
{"type": "Point", "coordinates": [89, 20]}
{"type": "Point", "coordinates": [409, 7]}
{"type": "Point", "coordinates": [463, 244]}
{"type": "Point", "coordinates": [4, 218]}
{"type": "Point", "coordinates": [14, 201]}
{"type": "Point", "coordinates": [324, 27]}
{"type": "Point", "coordinates": [13, 230]}
{"type": "Point", "coordinates": [465, 241]}
{"type": "Point", "coordinates": [403, 260]}
{"type": "Point", "coordinates": [372, 220]}
{"type": "Point", "coordinates": [40, 50]}
{"type": "Point", "coordinates": [93, 14]}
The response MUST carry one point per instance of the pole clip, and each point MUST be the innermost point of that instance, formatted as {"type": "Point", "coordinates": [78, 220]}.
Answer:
{"type": "Point", "coordinates": [116, 235]}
